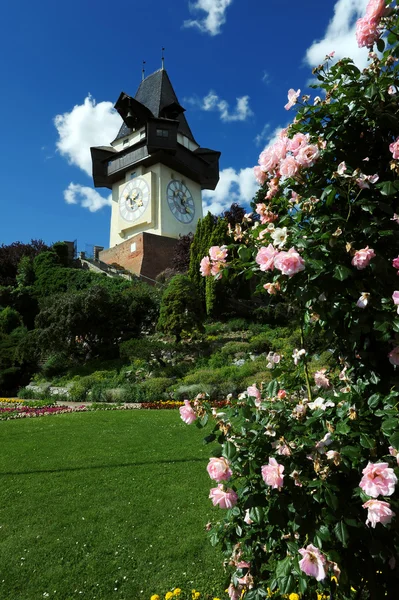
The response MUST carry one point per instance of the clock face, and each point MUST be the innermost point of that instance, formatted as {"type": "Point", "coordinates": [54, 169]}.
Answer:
{"type": "Point", "coordinates": [134, 199]}
{"type": "Point", "coordinates": [180, 201]}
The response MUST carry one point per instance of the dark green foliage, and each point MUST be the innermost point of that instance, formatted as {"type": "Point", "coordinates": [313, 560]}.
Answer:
{"type": "Point", "coordinates": [55, 364]}
{"type": "Point", "coordinates": [10, 319]}
{"type": "Point", "coordinates": [61, 250]}
{"type": "Point", "coordinates": [181, 311]}
{"type": "Point", "coordinates": [145, 350]}
{"type": "Point", "coordinates": [181, 257]}
{"type": "Point", "coordinates": [92, 322]}
{"type": "Point", "coordinates": [11, 255]}
{"type": "Point", "coordinates": [25, 273]}
{"type": "Point", "coordinates": [13, 372]}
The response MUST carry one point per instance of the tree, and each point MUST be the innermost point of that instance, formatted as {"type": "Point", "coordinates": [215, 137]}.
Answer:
{"type": "Point", "coordinates": [92, 322]}
{"type": "Point", "coordinates": [234, 215]}
{"type": "Point", "coordinates": [181, 257]}
{"type": "Point", "coordinates": [11, 255]}
{"type": "Point", "coordinates": [25, 272]}
{"type": "Point", "coordinates": [10, 319]}
{"type": "Point", "coordinates": [308, 466]}
{"type": "Point", "coordinates": [180, 311]}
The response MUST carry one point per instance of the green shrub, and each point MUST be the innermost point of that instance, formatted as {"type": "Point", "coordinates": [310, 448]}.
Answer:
{"type": "Point", "coordinates": [10, 319]}
{"type": "Point", "coordinates": [154, 389]}
{"type": "Point", "coordinates": [189, 392]}
{"type": "Point", "coordinates": [56, 364]}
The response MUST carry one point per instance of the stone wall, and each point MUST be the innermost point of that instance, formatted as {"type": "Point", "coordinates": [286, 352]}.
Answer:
{"type": "Point", "coordinates": [144, 254]}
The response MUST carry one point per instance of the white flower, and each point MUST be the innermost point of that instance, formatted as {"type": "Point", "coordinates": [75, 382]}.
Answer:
{"type": "Point", "coordinates": [320, 403]}
{"type": "Point", "coordinates": [326, 441]}
{"type": "Point", "coordinates": [363, 300]}
{"type": "Point", "coordinates": [279, 236]}
{"type": "Point", "coordinates": [341, 168]}
{"type": "Point", "coordinates": [297, 355]}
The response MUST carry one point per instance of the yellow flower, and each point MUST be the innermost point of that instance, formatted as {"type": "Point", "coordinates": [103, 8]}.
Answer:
{"type": "Point", "coordinates": [168, 595]}
{"type": "Point", "coordinates": [216, 599]}
{"type": "Point", "coordinates": [321, 596]}
{"type": "Point", "coordinates": [155, 597]}
{"type": "Point", "coordinates": [177, 592]}
{"type": "Point", "coordinates": [195, 594]}
{"type": "Point", "coordinates": [293, 596]}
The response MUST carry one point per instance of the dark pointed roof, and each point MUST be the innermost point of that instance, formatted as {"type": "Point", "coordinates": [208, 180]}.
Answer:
{"type": "Point", "coordinates": [156, 93]}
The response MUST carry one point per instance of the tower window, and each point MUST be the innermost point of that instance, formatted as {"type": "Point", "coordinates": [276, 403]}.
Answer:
{"type": "Point", "coordinates": [162, 133]}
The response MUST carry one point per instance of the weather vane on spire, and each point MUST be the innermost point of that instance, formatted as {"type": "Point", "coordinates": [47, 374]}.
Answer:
{"type": "Point", "coordinates": [163, 58]}
{"type": "Point", "coordinates": [143, 71]}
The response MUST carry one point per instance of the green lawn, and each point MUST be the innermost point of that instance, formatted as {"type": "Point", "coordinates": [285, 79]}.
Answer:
{"type": "Point", "coordinates": [104, 505]}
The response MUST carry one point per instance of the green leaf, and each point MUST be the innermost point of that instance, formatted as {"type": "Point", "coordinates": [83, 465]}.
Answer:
{"type": "Point", "coordinates": [350, 451]}
{"type": "Point", "coordinates": [388, 188]}
{"type": "Point", "coordinates": [331, 499]}
{"type": "Point", "coordinates": [394, 440]}
{"type": "Point", "coordinates": [381, 45]}
{"type": "Point", "coordinates": [341, 272]}
{"type": "Point", "coordinates": [371, 91]}
{"type": "Point", "coordinates": [395, 325]}
{"type": "Point", "coordinates": [244, 253]}
{"type": "Point", "coordinates": [204, 420]}
{"type": "Point", "coordinates": [373, 401]}
{"type": "Point", "coordinates": [389, 425]}
{"type": "Point", "coordinates": [283, 567]}
{"type": "Point", "coordinates": [272, 389]}
{"type": "Point", "coordinates": [341, 532]}
{"type": "Point", "coordinates": [343, 428]}
{"type": "Point", "coordinates": [256, 514]}
{"type": "Point", "coordinates": [209, 438]}
{"type": "Point", "coordinates": [286, 585]}
{"type": "Point", "coordinates": [366, 441]}
{"type": "Point", "coordinates": [324, 533]}
{"type": "Point", "coordinates": [229, 450]}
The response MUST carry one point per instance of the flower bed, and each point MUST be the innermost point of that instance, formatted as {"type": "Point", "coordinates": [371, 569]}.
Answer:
{"type": "Point", "coordinates": [23, 409]}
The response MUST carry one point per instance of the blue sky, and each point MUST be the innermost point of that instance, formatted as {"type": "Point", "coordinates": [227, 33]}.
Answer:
{"type": "Point", "coordinates": [231, 63]}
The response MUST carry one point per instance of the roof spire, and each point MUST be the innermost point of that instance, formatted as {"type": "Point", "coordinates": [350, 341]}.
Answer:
{"type": "Point", "coordinates": [163, 58]}
{"type": "Point", "coordinates": [143, 71]}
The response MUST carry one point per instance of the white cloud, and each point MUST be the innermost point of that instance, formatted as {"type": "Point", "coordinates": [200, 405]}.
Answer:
{"type": "Point", "coordinates": [234, 186]}
{"type": "Point", "coordinates": [215, 18]}
{"type": "Point", "coordinates": [265, 77]}
{"type": "Point", "coordinates": [340, 35]}
{"type": "Point", "coordinates": [88, 124]}
{"type": "Point", "coordinates": [86, 197]}
{"type": "Point", "coordinates": [212, 102]}
{"type": "Point", "coordinates": [263, 136]}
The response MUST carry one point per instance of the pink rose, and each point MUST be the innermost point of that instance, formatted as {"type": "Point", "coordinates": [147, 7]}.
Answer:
{"type": "Point", "coordinates": [253, 391]}
{"type": "Point", "coordinates": [260, 175]}
{"type": "Point", "coordinates": [300, 140]}
{"type": "Point", "coordinates": [187, 413]}
{"type": "Point", "coordinates": [273, 189]}
{"type": "Point", "coordinates": [218, 253]}
{"type": "Point", "coordinates": [321, 380]}
{"type": "Point", "coordinates": [225, 499]}
{"type": "Point", "coordinates": [280, 148]}
{"type": "Point", "coordinates": [289, 262]}
{"type": "Point", "coordinates": [281, 448]}
{"type": "Point", "coordinates": [289, 167]}
{"type": "Point", "coordinates": [205, 266]}
{"type": "Point", "coordinates": [362, 258]}
{"type": "Point", "coordinates": [265, 258]}
{"type": "Point", "coordinates": [219, 469]}
{"type": "Point", "coordinates": [273, 474]}
{"type": "Point", "coordinates": [281, 394]}
{"type": "Point", "coordinates": [394, 356]}
{"type": "Point", "coordinates": [313, 562]}
{"type": "Point", "coordinates": [378, 512]}
{"type": "Point", "coordinates": [268, 159]}
{"type": "Point", "coordinates": [378, 479]}
{"type": "Point", "coordinates": [308, 155]}
{"type": "Point", "coordinates": [395, 263]}
{"type": "Point", "coordinates": [234, 592]}
{"type": "Point", "coordinates": [376, 9]}
{"type": "Point", "coordinates": [216, 268]}
{"type": "Point", "coordinates": [394, 148]}
{"type": "Point", "coordinates": [367, 32]}
{"type": "Point", "coordinates": [292, 98]}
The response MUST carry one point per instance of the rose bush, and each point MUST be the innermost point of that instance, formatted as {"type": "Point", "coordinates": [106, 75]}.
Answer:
{"type": "Point", "coordinates": [311, 504]}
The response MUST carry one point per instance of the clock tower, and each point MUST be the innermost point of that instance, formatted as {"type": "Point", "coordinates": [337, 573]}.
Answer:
{"type": "Point", "coordinates": [156, 171]}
